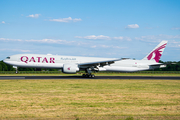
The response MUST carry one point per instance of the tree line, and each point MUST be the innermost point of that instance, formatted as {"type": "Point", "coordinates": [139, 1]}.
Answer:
{"type": "Point", "coordinates": [171, 66]}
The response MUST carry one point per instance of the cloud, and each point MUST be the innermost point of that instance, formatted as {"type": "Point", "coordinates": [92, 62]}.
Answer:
{"type": "Point", "coordinates": [51, 41]}
{"type": "Point", "coordinates": [173, 40]}
{"type": "Point", "coordinates": [108, 46]}
{"type": "Point", "coordinates": [94, 46]}
{"type": "Point", "coordinates": [102, 37]}
{"type": "Point", "coordinates": [105, 46]}
{"type": "Point", "coordinates": [132, 26]}
{"type": "Point", "coordinates": [63, 42]}
{"type": "Point", "coordinates": [3, 22]}
{"type": "Point", "coordinates": [77, 19]}
{"type": "Point", "coordinates": [6, 39]}
{"type": "Point", "coordinates": [69, 19]}
{"type": "Point", "coordinates": [94, 37]}
{"type": "Point", "coordinates": [157, 38]}
{"type": "Point", "coordinates": [122, 38]}
{"type": "Point", "coordinates": [119, 38]}
{"type": "Point", "coordinates": [47, 41]}
{"type": "Point", "coordinates": [176, 28]}
{"type": "Point", "coordinates": [34, 15]}
{"type": "Point", "coordinates": [174, 43]}
{"type": "Point", "coordinates": [19, 50]}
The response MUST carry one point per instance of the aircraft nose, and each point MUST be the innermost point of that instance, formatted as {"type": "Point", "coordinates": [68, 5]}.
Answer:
{"type": "Point", "coordinates": [4, 60]}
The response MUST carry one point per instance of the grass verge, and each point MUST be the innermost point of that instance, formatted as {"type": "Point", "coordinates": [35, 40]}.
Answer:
{"type": "Point", "coordinates": [90, 99]}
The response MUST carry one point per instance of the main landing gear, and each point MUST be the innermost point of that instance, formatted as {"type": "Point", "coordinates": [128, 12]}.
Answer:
{"type": "Point", "coordinates": [88, 75]}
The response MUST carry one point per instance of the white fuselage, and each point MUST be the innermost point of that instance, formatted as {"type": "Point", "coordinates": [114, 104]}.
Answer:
{"type": "Point", "coordinates": [57, 61]}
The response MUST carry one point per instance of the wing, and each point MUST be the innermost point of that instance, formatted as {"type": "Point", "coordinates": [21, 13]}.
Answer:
{"type": "Point", "coordinates": [97, 63]}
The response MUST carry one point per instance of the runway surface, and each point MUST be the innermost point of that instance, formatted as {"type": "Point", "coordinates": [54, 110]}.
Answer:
{"type": "Point", "coordinates": [96, 77]}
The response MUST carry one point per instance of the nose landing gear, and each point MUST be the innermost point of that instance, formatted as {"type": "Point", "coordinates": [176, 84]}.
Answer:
{"type": "Point", "coordinates": [16, 69]}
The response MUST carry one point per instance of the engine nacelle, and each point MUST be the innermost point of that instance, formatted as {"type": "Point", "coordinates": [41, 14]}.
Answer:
{"type": "Point", "coordinates": [70, 68]}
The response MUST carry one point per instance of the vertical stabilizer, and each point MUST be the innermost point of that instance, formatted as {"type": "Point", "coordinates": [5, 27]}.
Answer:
{"type": "Point", "coordinates": [156, 53]}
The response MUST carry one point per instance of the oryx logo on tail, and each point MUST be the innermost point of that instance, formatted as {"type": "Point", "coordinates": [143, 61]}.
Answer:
{"type": "Point", "coordinates": [156, 53]}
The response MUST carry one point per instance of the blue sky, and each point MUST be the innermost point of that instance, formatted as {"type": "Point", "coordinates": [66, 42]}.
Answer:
{"type": "Point", "coordinates": [97, 28]}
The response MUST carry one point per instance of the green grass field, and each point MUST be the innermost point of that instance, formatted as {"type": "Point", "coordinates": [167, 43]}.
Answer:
{"type": "Point", "coordinates": [90, 99]}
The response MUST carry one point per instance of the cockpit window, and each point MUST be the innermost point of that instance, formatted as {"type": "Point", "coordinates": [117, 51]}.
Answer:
{"type": "Point", "coordinates": [8, 58]}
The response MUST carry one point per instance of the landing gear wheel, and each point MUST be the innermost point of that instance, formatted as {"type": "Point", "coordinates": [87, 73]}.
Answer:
{"type": "Point", "coordinates": [84, 75]}
{"type": "Point", "coordinates": [88, 75]}
{"type": "Point", "coordinates": [92, 75]}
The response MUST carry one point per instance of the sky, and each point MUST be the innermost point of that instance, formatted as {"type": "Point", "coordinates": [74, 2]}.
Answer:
{"type": "Point", "coordinates": [91, 28]}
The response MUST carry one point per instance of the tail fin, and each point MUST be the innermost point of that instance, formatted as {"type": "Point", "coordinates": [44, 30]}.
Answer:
{"type": "Point", "coordinates": [156, 53]}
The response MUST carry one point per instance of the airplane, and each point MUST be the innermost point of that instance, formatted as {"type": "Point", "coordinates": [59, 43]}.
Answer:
{"type": "Point", "coordinates": [73, 64]}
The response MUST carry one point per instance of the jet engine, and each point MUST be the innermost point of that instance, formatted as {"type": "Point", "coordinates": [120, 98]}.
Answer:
{"type": "Point", "coordinates": [70, 68]}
